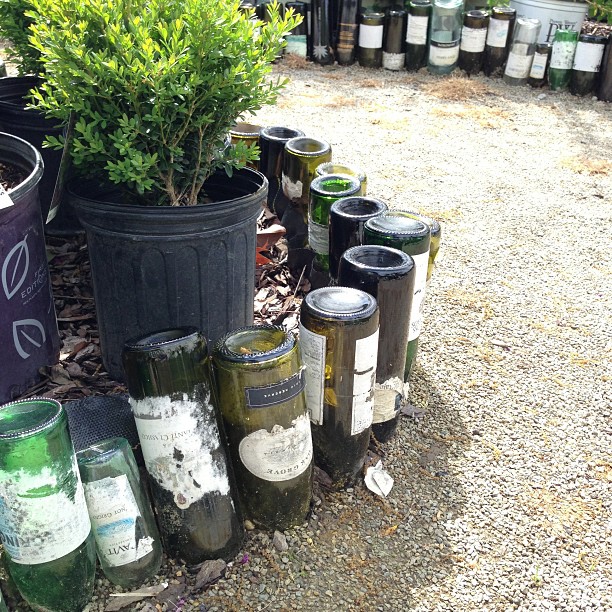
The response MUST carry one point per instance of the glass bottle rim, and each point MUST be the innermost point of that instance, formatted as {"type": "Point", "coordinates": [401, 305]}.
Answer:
{"type": "Point", "coordinates": [107, 447]}
{"type": "Point", "coordinates": [305, 146]}
{"type": "Point", "coordinates": [434, 225]}
{"type": "Point", "coordinates": [378, 226]}
{"type": "Point", "coordinates": [399, 262]}
{"type": "Point", "coordinates": [331, 167]}
{"type": "Point", "coordinates": [279, 133]}
{"type": "Point", "coordinates": [226, 353]}
{"type": "Point", "coordinates": [593, 38]}
{"type": "Point", "coordinates": [53, 417]}
{"type": "Point", "coordinates": [162, 339]}
{"type": "Point", "coordinates": [477, 13]}
{"type": "Point", "coordinates": [245, 130]}
{"type": "Point", "coordinates": [341, 207]}
{"type": "Point", "coordinates": [364, 305]}
{"type": "Point", "coordinates": [503, 10]}
{"type": "Point", "coordinates": [316, 186]}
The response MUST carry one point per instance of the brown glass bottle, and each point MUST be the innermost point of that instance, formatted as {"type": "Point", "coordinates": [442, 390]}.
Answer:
{"type": "Point", "coordinates": [539, 67]}
{"type": "Point", "coordinates": [498, 40]}
{"type": "Point", "coordinates": [473, 39]}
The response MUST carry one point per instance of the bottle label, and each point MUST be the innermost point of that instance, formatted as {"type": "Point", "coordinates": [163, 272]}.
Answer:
{"type": "Point", "coordinates": [318, 237]}
{"type": "Point", "coordinates": [588, 57]}
{"type": "Point", "coordinates": [443, 54]}
{"type": "Point", "coordinates": [497, 34]}
{"type": "Point", "coordinates": [37, 530]}
{"type": "Point", "coordinates": [178, 438]}
{"type": "Point", "coordinates": [312, 350]}
{"type": "Point", "coordinates": [371, 36]}
{"type": "Point", "coordinates": [296, 44]}
{"type": "Point", "coordinates": [366, 354]}
{"type": "Point", "coordinates": [562, 56]}
{"type": "Point", "coordinates": [275, 393]}
{"type": "Point", "coordinates": [416, 32]}
{"type": "Point", "coordinates": [473, 39]}
{"type": "Point", "coordinates": [292, 190]}
{"type": "Point", "coordinates": [113, 512]}
{"type": "Point", "coordinates": [518, 65]}
{"type": "Point", "coordinates": [418, 299]}
{"type": "Point", "coordinates": [393, 61]}
{"type": "Point", "coordinates": [280, 454]}
{"type": "Point", "coordinates": [538, 67]}
{"type": "Point", "coordinates": [387, 399]}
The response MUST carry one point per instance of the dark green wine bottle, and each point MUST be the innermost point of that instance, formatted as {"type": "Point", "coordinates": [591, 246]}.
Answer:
{"type": "Point", "coordinates": [499, 35]}
{"type": "Point", "coordinates": [371, 30]}
{"type": "Point", "coordinates": [348, 28]}
{"type": "Point", "coordinates": [338, 344]}
{"type": "Point", "coordinates": [539, 67]}
{"type": "Point", "coordinates": [417, 28]}
{"type": "Point", "coordinates": [322, 52]}
{"type": "Point", "coordinates": [388, 275]}
{"type": "Point", "coordinates": [394, 43]}
{"type": "Point", "coordinates": [604, 91]}
{"type": "Point", "coordinates": [168, 379]}
{"type": "Point", "coordinates": [587, 62]}
{"type": "Point", "coordinates": [260, 383]}
{"type": "Point", "coordinates": [562, 58]}
{"type": "Point", "coordinates": [400, 231]}
{"type": "Point", "coordinates": [473, 39]}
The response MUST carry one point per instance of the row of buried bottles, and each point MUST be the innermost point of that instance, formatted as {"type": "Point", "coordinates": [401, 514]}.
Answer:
{"type": "Point", "coordinates": [224, 436]}
{"type": "Point", "coordinates": [444, 35]}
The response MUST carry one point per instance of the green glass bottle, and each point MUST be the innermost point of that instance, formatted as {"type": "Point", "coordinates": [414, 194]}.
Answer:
{"type": "Point", "coordinates": [324, 191]}
{"type": "Point", "coordinates": [394, 41]}
{"type": "Point", "coordinates": [168, 379]}
{"type": "Point", "coordinates": [2, 604]}
{"type": "Point", "coordinates": [587, 62]}
{"type": "Point", "coordinates": [44, 525]}
{"type": "Point", "coordinates": [435, 241]}
{"type": "Point", "coordinates": [338, 345]}
{"type": "Point", "coordinates": [473, 39]}
{"type": "Point", "coordinates": [260, 383]}
{"type": "Point", "coordinates": [371, 30]}
{"type": "Point", "coordinates": [340, 168]}
{"type": "Point", "coordinates": [127, 539]}
{"type": "Point", "coordinates": [417, 39]}
{"type": "Point", "coordinates": [400, 231]}
{"type": "Point", "coordinates": [562, 58]}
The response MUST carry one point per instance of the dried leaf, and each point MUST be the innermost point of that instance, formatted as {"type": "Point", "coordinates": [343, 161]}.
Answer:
{"type": "Point", "coordinates": [121, 600]}
{"type": "Point", "coordinates": [210, 572]}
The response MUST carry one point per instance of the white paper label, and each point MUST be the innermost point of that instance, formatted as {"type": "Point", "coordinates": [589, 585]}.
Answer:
{"type": "Point", "coordinates": [280, 454]}
{"type": "Point", "coordinates": [37, 530]}
{"type": "Point", "coordinates": [318, 237]}
{"type": "Point", "coordinates": [5, 198]}
{"type": "Point", "coordinates": [296, 44]}
{"type": "Point", "coordinates": [312, 350]}
{"type": "Point", "coordinates": [292, 190]}
{"type": "Point", "coordinates": [538, 67]}
{"type": "Point", "coordinates": [178, 437]}
{"type": "Point", "coordinates": [371, 36]}
{"type": "Point", "coordinates": [497, 34]}
{"type": "Point", "coordinates": [393, 61]}
{"type": "Point", "coordinates": [416, 32]}
{"type": "Point", "coordinates": [518, 65]}
{"type": "Point", "coordinates": [588, 57]}
{"type": "Point", "coordinates": [420, 284]}
{"type": "Point", "coordinates": [473, 39]}
{"type": "Point", "coordinates": [445, 55]}
{"type": "Point", "coordinates": [366, 354]}
{"type": "Point", "coordinates": [562, 55]}
{"type": "Point", "coordinates": [113, 512]}
{"type": "Point", "coordinates": [387, 399]}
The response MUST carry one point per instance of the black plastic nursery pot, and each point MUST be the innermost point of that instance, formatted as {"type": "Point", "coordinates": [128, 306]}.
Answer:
{"type": "Point", "coordinates": [32, 126]}
{"type": "Point", "coordinates": [156, 267]}
{"type": "Point", "coordinates": [29, 338]}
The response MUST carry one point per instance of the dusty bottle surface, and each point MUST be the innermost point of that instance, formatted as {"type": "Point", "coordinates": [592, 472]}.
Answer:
{"type": "Point", "coordinates": [260, 383]}
{"type": "Point", "coordinates": [498, 40]}
{"type": "Point", "coordinates": [562, 58]}
{"type": "Point", "coordinates": [473, 39]}
{"type": "Point", "coordinates": [44, 525]}
{"type": "Point", "coordinates": [338, 344]}
{"type": "Point", "coordinates": [587, 62]}
{"type": "Point", "coordinates": [539, 67]}
{"type": "Point", "coordinates": [192, 485]}
{"type": "Point", "coordinates": [417, 34]}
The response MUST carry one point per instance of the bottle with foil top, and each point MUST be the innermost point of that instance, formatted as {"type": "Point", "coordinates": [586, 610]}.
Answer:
{"type": "Point", "coordinates": [320, 31]}
{"type": "Point", "coordinates": [339, 343]}
{"type": "Point", "coordinates": [539, 67]}
{"type": "Point", "coordinates": [297, 39]}
{"type": "Point", "coordinates": [371, 30]}
{"type": "Point", "coordinates": [473, 39]}
{"type": "Point", "coordinates": [499, 35]}
{"type": "Point", "coordinates": [394, 43]}
{"type": "Point", "coordinates": [562, 58]}
{"type": "Point", "coordinates": [168, 379]}
{"type": "Point", "coordinates": [260, 382]}
{"type": "Point", "coordinates": [348, 30]}
{"type": "Point", "coordinates": [347, 218]}
{"type": "Point", "coordinates": [435, 240]}
{"type": "Point", "coordinates": [324, 191]}
{"type": "Point", "coordinates": [44, 524]}
{"type": "Point", "coordinates": [445, 36]}
{"type": "Point", "coordinates": [417, 34]}
{"type": "Point", "coordinates": [587, 62]}
{"type": "Point", "coordinates": [127, 539]}
{"type": "Point", "coordinates": [340, 168]}
{"type": "Point", "coordinates": [388, 275]}
{"type": "Point", "coordinates": [400, 231]}
{"type": "Point", "coordinates": [522, 50]}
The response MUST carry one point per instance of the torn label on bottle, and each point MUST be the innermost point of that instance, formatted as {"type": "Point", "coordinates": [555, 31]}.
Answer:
{"type": "Point", "coordinates": [292, 190]}
{"type": "Point", "coordinates": [387, 399]}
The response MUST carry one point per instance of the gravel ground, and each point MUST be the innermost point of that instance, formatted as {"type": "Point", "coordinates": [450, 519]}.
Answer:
{"type": "Point", "coordinates": [502, 497]}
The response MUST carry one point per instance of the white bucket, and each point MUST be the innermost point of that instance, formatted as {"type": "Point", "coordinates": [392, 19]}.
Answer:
{"type": "Point", "coordinates": [552, 14]}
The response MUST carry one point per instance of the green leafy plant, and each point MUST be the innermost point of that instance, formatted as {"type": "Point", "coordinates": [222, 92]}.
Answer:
{"type": "Point", "coordinates": [14, 27]}
{"type": "Point", "coordinates": [600, 9]}
{"type": "Point", "coordinates": [154, 86]}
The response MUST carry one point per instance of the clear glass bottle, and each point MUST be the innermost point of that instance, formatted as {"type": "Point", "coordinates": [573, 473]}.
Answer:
{"type": "Point", "coordinates": [522, 50]}
{"type": "Point", "coordinates": [587, 62]}
{"type": "Point", "coordinates": [347, 218]}
{"type": "Point", "coordinates": [398, 230]}
{"type": "Point", "coordinates": [339, 343]}
{"type": "Point", "coordinates": [322, 52]}
{"type": "Point", "coordinates": [297, 39]}
{"type": "Point", "coordinates": [445, 36]}
{"type": "Point", "coordinates": [539, 67]}
{"type": "Point", "coordinates": [388, 275]}
{"type": "Point", "coordinates": [44, 524]}
{"type": "Point", "coordinates": [260, 383]}
{"type": "Point", "coordinates": [394, 43]}
{"type": "Point", "coordinates": [340, 168]}
{"type": "Point", "coordinates": [371, 31]}
{"type": "Point", "coordinates": [562, 58]}
{"type": "Point", "coordinates": [499, 35]}
{"type": "Point", "coordinates": [348, 29]}
{"type": "Point", "coordinates": [417, 37]}
{"type": "Point", "coordinates": [473, 38]}
{"type": "Point", "coordinates": [168, 379]}
{"type": "Point", "coordinates": [127, 539]}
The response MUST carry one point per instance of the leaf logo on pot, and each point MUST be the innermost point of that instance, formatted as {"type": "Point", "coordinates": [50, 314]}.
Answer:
{"type": "Point", "coordinates": [24, 332]}
{"type": "Point", "coordinates": [15, 268]}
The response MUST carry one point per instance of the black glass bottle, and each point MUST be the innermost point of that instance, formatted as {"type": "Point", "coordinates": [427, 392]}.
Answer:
{"type": "Point", "coordinates": [168, 379]}
{"type": "Point", "coordinates": [297, 39]}
{"type": "Point", "coordinates": [499, 36]}
{"type": "Point", "coordinates": [348, 28]}
{"type": "Point", "coordinates": [587, 62]}
{"type": "Point", "coordinates": [473, 39]}
{"type": "Point", "coordinates": [417, 38]}
{"type": "Point", "coordinates": [604, 91]}
{"type": "Point", "coordinates": [371, 30]}
{"type": "Point", "coordinates": [388, 275]}
{"type": "Point", "coordinates": [322, 52]}
{"type": "Point", "coordinates": [347, 218]}
{"type": "Point", "coordinates": [394, 43]}
{"type": "Point", "coordinates": [338, 344]}
{"type": "Point", "coordinates": [539, 67]}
